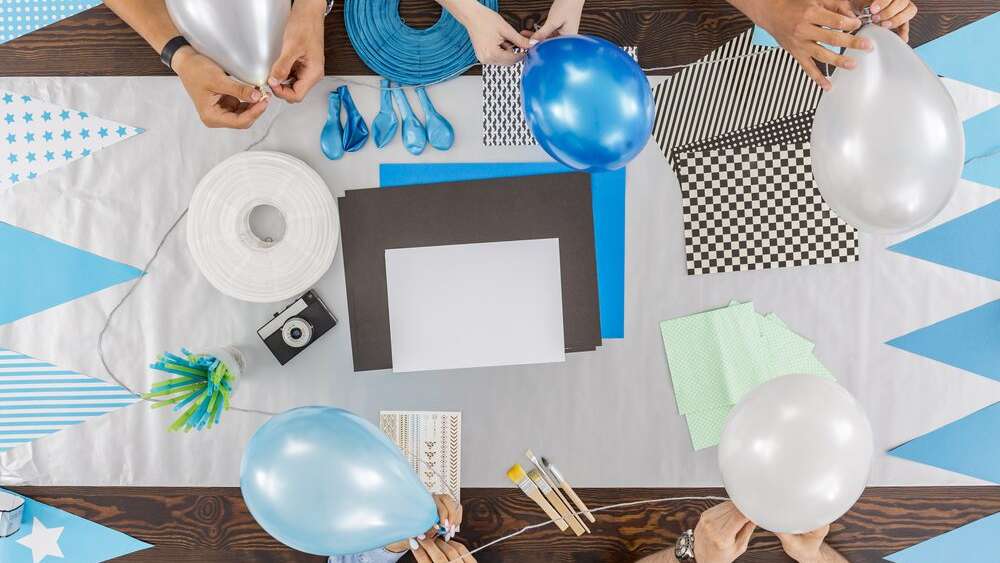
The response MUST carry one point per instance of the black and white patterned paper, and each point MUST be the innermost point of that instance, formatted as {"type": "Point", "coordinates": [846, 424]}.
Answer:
{"type": "Point", "coordinates": [503, 118]}
{"type": "Point", "coordinates": [782, 131]}
{"type": "Point", "coordinates": [756, 207]}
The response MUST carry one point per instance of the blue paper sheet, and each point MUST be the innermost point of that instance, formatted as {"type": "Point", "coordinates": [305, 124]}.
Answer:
{"type": "Point", "coordinates": [39, 273]}
{"type": "Point", "coordinates": [608, 191]}
{"type": "Point", "coordinates": [982, 147]}
{"type": "Point", "coordinates": [18, 17]}
{"type": "Point", "coordinates": [970, 446]}
{"type": "Point", "coordinates": [56, 535]}
{"type": "Point", "coordinates": [976, 542]}
{"type": "Point", "coordinates": [763, 38]}
{"type": "Point", "coordinates": [968, 243]}
{"type": "Point", "coordinates": [968, 54]}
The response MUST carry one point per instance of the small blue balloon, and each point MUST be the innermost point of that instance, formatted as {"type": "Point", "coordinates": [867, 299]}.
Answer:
{"type": "Point", "coordinates": [587, 102]}
{"type": "Point", "coordinates": [325, 481]}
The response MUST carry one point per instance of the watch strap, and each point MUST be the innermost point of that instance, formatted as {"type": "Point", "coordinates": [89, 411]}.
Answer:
{"type": "Point", "coordinates": [171, 48]}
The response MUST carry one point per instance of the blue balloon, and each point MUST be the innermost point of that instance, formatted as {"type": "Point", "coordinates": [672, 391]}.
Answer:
{"type": "Point", "coordinates": [327, 482]}
{"type": "Point", "coordinates": [588, 103]}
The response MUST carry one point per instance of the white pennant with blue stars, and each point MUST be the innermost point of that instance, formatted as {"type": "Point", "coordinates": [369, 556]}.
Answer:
{"type": "Point", "coordinates": [37, 137]}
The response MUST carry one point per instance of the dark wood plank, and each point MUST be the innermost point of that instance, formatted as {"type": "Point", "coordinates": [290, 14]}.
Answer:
{"type": "Point", "coordinates": [668, 32]}
{"type": "Point", "coordinates": [213, 524]}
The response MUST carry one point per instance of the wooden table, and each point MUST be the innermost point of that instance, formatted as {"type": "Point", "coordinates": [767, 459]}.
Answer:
{"type": "Point", "coordinates": [207, 525]}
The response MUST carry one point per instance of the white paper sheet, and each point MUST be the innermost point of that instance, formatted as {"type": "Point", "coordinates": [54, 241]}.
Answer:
{"type": "Point", "coordinates": [475, 305]}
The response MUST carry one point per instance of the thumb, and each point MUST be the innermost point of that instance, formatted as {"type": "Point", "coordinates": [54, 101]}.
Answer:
{"type": "Point", "coordinates": [515, 38]}
{"type": "Point", "coordinates": [545, 31]}
{"type": "Point", "coordinates": [239, 90]}
{"type": "Point", "coordinates": [282, 68]}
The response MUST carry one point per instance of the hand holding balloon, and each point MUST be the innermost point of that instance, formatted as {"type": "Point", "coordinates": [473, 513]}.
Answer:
{"type": "Point", "coordinates": [809, 547]}
{"type": "Point", "coordinates": [219, 100]}
{"type": "Point", "coordinates": [722, 534]}
{"type": "Point", "coordinates": [300, 65]}
{"type": "Point", "coordinates": [894, 15]}
{"type": "Point", "coordinates": [449, 518]}
{"type": "Point", "coordinates": [563, 19]}
{"type": "Point", "coordinates": [492, 37]}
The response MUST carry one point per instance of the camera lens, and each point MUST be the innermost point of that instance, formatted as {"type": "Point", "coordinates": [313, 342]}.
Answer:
{"type": "Point", "coordinates": [297, 332]}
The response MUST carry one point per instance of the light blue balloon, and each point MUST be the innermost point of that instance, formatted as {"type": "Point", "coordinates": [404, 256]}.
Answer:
{"type": "Point", "coordinates": [587, 102]}
{"type": "Point", "coordinates": [325, 481]}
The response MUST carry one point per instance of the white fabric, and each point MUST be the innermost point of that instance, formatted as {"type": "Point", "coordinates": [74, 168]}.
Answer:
{"type": "Point", "coordinates": [606, 418]}
{"type": "Point", "coordinates": [475, 305]}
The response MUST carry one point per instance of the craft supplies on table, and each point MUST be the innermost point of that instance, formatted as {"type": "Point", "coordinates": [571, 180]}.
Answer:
{"type": "Point", "coordinates": [432, 443]}
{"type": "Point", "coordinates": [550, 491]}
{"type": "Point", "coordinates": [534, 207]}
{"type": "Point", "coordinates": [281, 264]}
{"type": "Point", "coordinates": [607, 190]}
{"type": "Point", "coordinates": [717, 356]}
{"type": "Point", "coordinates": [204, 383]}
{"type": "Point", "coordinates": [11, 511]}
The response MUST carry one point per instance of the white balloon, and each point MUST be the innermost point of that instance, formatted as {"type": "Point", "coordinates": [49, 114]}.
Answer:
{"type": "Point", "coordinates": [887, 142]}
{"type": "Point", "coordinates": [796, 453]}
{"type": "Point", "coordinates": [243, 37]}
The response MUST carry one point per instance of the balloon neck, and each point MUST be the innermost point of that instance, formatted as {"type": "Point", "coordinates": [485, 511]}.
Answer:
{"type": "Point", "coordinates": [866, 15]}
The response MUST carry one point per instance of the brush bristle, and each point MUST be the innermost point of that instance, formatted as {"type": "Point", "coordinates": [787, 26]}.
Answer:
{"type": "Point", "coordinates": [535, 475]}
{"type": "Point", "coordinates": [529, 454]}
{"type": "Point", "coordinates": [516, 473]}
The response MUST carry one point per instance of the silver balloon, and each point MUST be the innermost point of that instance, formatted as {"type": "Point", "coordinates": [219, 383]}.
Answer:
{"type": "Point", "coordinates": [796, 453]}
{"type": "Point", "coordinates": [887, 142]}
{"type": "Point", "coordinates": [243, 36]}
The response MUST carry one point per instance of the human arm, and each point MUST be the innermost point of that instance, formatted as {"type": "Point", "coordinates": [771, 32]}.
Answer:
{"type": "Point", "coordinates": [563, 19]}
{"type": "Point", "coordinates": [722, 534]}
{"type": "Point", "coordinates": [492, 37]}
{"type": "Point", "coordinates": [301, 63]}
{"type": "Point", "coordinates": [219, 100]}
{"type": "Point", "coordinates": [894, 15]}
{"type": "Point", "coordinates": [810, 547]}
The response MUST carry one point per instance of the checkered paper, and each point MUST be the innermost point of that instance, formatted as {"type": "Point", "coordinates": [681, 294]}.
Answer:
{"type": "Point", "coordinates": [503, 117]}
{"type": "Point", "coordinates": [756, 207]}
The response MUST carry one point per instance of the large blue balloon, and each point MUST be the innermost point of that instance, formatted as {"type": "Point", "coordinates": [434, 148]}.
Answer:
{"type": "Point", "coordinates": [327, 482]}
{"type": "Point", "coordinates": [587, 102]}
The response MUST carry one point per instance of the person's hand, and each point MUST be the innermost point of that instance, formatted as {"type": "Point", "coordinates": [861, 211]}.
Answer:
{"type": "Point", "coordinates": [449, 515]}
{"type": "Point", "coordinates": [809, 547]}
{"type": "Point", "coordinates": [492, 37]}
{"type": "Point", "coordinates": [801, 25]}
{"type": "Point", "coordinates": [439, 551]}
{"type": "Point", "coordinates": [300, 65]}
{"type": "Point", "coordinates": [723, 534]}
{"type": "Point", "coordinates": [895, 15]}
{"type": "Point", "coordinates": [220, 100]}
{"type": "Point", "coordinates": [563, 19]}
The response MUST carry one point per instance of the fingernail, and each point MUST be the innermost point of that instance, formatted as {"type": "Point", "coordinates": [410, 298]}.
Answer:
{"type": "Point", "coordinates": [414, 545]}
{"type": "Point", "coordinates": [446, 523]}
{"type": "Point", "coordinates": [272, 82]}
{"type": "Point", "coordinates": [255, 95]}
{"type": "Point", "coordinates": [876, 9]}
{"type": "Point", "coordinates": [876, 18]}
{"type": "Point", "coordinates": [825, 87]}
{"type": "Point", "coordinates": [866, 44]}
{"type": "Point", "coordinates": [533, 42]}
{"type": "Point", "coordinates": [850, 64]}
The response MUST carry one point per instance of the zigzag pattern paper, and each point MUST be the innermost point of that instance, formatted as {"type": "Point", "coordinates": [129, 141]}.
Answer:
{"type": "Point", "coordinates": [18, 17]}
{"type": "Point", "coordinates": [37, 137]}
{"type": "Point", "coordinates": [39, 273]}
{"type": "Point", "coordinates": [969, 341]}
{"type": "Point", "coordinates": [976, 542]}
{"type": "Point", "coordinates": [50, 535]}
{"type": "Point", "coordinates": [432, 442]}
{"type": "Point", "coordinates": [961, 243]}
{"type": "Point", "coordinates": [38, 399]}
{"type": "Point", "coordinates": [968, 54]}
{"type": "Point", "coordinates": [970, 446]}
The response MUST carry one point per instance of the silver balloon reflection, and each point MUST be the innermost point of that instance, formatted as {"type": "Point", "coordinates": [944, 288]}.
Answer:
{"type": "Point", "coordinates": [796, 453]}
{"type": "Point", "coordinates": [243, 37]}
{"type": "Point", "coordinates": [887, 142]}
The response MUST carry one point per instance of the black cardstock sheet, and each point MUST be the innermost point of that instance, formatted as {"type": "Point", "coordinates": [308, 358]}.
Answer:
{"type": "Point", "coordinates": [524, 208]}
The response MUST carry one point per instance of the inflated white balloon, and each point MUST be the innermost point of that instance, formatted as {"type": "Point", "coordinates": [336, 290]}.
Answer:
{"type": "Point", "coordinates": [244, 38]}
{"type": "Point", "coordinates": [796, 453]}
{"type": "Point", "coordinates": [887, 142]}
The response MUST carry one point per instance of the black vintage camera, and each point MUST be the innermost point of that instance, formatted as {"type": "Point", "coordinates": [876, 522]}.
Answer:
{"type": "Point", "coordinates": [298, 326]}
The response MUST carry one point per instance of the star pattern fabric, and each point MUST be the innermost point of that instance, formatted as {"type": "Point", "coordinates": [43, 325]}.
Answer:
{"type": "Point", "coordinates": [42, 541]}
{"type": "Point", "coordinates": [37, 137]}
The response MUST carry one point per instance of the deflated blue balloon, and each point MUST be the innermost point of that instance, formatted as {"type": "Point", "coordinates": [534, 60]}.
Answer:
{"type": "Point", "coordinates": [331, 139]}
{"type": "Point", "coordinates": [325, 481]}
{"type": "Point", "coordinates": [440, 133]}
{"type": "Point", "coordinates": [355, 128]}
{"type": "Point", "coordinates": [587, 102]}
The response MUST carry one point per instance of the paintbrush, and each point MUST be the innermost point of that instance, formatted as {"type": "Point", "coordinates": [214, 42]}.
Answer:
{"type": "Point", "coordinates": [568, 490]}
{"type": "Point", "coordinates": [517, 475]}
{"type": "Point", "coordinates": [555, 488]}
{"type": "Point", "coordinates": [549, 493]}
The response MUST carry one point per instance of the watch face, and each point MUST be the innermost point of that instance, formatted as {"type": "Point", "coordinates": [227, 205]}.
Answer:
{"type": "Point", "coordinates": [685, 546]}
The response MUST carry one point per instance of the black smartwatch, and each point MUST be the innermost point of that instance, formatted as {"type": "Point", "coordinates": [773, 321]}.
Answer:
{"type": "Point", "coordinates": [171, 48]}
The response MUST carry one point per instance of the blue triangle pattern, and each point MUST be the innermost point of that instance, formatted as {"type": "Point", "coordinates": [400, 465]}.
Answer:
{"type": "Point", "coordinates": [38, 399]}
{"type": "Point", "coordinates": [970, 446]}
{"type": "Point", "coordinates": [968, 54]}
{"type": "Point", "coordinates": [19, 17]}
{"type": "Point", "coordinates": [961, 243]}
{"type": "Point", "coordinates": [51, 535]}
{"type": "Point", "coordinates": [968, 341]}
{"type": "Point", "coordinates": [982, 147]}
{"type": "Point", "coordinates": [39, 273]}
{"type": "Point", "coordinates": [977, 542]}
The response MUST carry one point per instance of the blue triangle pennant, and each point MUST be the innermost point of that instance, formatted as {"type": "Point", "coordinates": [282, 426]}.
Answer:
{"type": "Point", "coordinates": [24, 16]}
{"type": "Point", "coordinates": [961, 243]}
{"type": "Point", "coordinates": [968, 54]}
{"type": "Point", "coordinates": [968, 341]}
{"type": "Point", "coordinates": [978, 542]}
{"type": "Point", "coordinates": [50, 535]}
{"type": "Point", "coordinates": [39, 273]}
{"type": "Point", "coordinates": [970, 446]}
{"type": "Point", "coordinates": [982, 147]}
